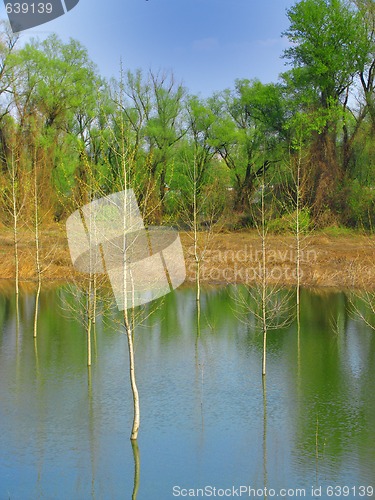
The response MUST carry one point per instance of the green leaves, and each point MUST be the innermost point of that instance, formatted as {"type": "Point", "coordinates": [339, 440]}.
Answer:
{"type": "Point", "coordinates": [57, 79]}
{"type": "Point", "coordinates": [329, 41]}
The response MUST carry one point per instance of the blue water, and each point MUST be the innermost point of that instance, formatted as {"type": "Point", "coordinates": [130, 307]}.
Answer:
{"type": "Point", "coordinates": [206, 418]}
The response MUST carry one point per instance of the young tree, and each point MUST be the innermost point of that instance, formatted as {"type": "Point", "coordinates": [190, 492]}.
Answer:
{"type": "Point", "coordinates": [124, 155]}
{"type": "Point", "coordinates": [13, 193]}
{"type": "Point", "coordinates": [85, 287]}
{"type": "Point", "coordinates": [363, 300]}
{"type": "Point", "coordinates": [200, 182]}
{"type": "Point", "coordinates": [37, 244]}
{"type": "Point", "coordinates": [265, 300]}
{"type": "Point", "coordinates": [300, 126]}
{"type": "Point", "coordinates": [15, 211]}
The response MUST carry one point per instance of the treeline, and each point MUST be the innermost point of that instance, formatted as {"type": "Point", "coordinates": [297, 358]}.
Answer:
{"type": "Point", "coordinates": [66, 132]}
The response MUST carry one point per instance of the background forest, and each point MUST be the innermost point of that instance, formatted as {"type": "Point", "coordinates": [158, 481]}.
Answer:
{"type": "Point", "coordinates": [308, 139]}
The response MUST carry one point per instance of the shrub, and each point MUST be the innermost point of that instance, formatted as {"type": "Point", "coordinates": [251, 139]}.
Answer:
{"type": "Point", "coordinates": [288, 222]}
{"type": "Point", "coordinates": [360, 207]}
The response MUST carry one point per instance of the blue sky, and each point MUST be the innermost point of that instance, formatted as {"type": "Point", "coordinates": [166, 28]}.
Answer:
{"type": "Point", "coordinates": [207, 43]}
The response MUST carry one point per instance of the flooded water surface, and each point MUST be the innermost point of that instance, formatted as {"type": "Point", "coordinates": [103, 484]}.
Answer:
{"type": "Point", "coordinates": [207, 418]}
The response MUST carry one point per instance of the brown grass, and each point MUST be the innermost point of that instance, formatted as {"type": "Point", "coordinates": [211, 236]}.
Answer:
{"type": "Point", "coordinates": [327, 261]}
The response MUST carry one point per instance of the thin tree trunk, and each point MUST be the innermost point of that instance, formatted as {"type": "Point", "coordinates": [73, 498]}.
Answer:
{"type": "Point", "coordinates": [15, 225]}
{"type": "Point", "coordinates": [298, 252]}
{"type": "Point", "coordinates": [94, 298]}
{"type": "Point", "coordinates": [89, 343]}
{"type": "Point", "coordinates": [136, 416]}
{"type": "Point", "coordinates": [37, 250]}
{"type": "Point", "coordinates": [89, 319]}
{"type": "Point", "coordinates": [130, 336]}
{"type": "Point", "coordinates": [15, 244]}
{"type": "Point", "coordinates": [195, 224]}
{"type": "Point", "coordinates": [91, 295]}
{"type": "Point", "coordinates": [37, 307]}
{"type": "Point", "coordinates": [127, 322]}
{"type": "Point", "coordinates": [264, 286]}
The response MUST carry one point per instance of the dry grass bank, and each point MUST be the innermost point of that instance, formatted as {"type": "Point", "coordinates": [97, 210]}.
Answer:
{"type": "Point", "coordinates": [326, 261]}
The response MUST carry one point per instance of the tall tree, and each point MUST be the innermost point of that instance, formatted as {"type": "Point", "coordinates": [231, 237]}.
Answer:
{"type": "Point", "coordinates": [367, 73]}
{"type": "Point", "coordinates": [248, 129]}
{"type": "Point", "coordinates": [150, 115]}
{"type": "Point", "coordinates": [329, 47]}
{"type": "Point", "coordinates": [197, 151]}
{"type": "Point", "coordinates": [55, 90]}
{"type": "Point", "coordinates": [163, 131]}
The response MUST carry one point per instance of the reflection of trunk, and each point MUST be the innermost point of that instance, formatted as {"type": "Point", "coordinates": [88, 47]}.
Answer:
{"type": "Point", "coordinates": [91, 431]}
{"type": "Point", "coordinates": [197, 259]}
{"type": "Point", "coordinates": [198, 320]}
{"type": "Point", "coordinates": [199, 366]}
{"type": "Point", "coordinates": [317, 449]}
{"type": "Point", "coordinates": [17, 318]}
{"type": "Point", "coordinates": [265, 470]}
{"type": "Point", "coordinates": [89, 319]}
{"type": "Point", "coordinates": [137, 469]}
